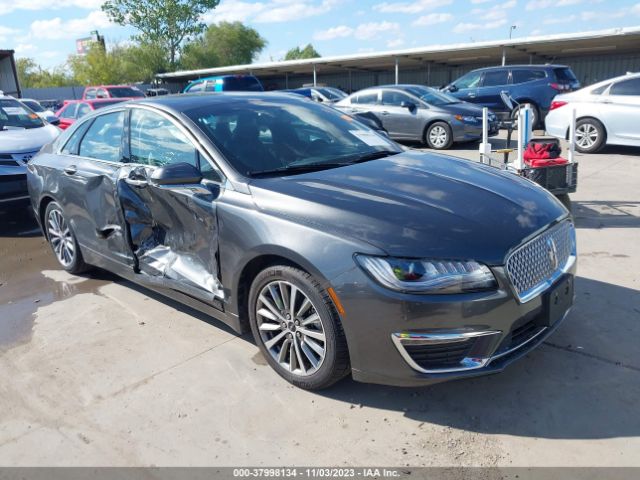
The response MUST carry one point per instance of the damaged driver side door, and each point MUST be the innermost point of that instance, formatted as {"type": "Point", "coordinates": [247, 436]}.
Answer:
{"type": "Point", "coordinates": [168, 195]}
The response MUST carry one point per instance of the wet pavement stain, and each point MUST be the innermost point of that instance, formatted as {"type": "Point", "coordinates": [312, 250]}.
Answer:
{"type": "Point", "coordinates": [24, 288]}
{"type": "Point", "coordinates": [259, 359]}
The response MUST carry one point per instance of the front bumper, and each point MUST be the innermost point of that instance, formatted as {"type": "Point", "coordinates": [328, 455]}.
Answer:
{"type": "Point", "coordinates": [382, 327]}
{"type": "Point", "coordinates": [466, 132]}
{"type": "Point", "coordinates": [13, 188]}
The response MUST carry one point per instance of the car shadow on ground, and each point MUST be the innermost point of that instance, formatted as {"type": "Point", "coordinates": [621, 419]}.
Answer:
{"type": "Point", "coordinates": [582, 383]}
{"type": "Point", "coordinates": [606, 214]}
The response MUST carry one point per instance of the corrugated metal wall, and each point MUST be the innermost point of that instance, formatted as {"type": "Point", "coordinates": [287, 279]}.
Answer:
{"type": "Point", "coordinates": [589, 69]}
{"type": "Point", "coordinates": [61, 93]}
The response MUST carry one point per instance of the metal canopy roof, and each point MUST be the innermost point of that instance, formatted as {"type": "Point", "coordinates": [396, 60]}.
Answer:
{"type": "Point", "coordinates": [540, 48]}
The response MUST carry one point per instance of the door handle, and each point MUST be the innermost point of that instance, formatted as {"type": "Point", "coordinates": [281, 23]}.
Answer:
{"type": "Point", "coordinates": [71, 170]}
{"type": "Point", "coordinates": [136, 182]}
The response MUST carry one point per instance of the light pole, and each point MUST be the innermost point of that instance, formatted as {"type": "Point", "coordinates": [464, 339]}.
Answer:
{"type": "Point", "coordinates": [504, 51]}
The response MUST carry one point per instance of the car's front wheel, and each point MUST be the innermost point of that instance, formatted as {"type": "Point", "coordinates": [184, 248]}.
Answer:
{"type": "Point", "coordinates": [590, 135]}
{"type": "Point", "coordinates": [439, 136]}
{"type": "Point", "coordinates": [62, 240]}
{"type": "Point", "coordinates": [297, 328]}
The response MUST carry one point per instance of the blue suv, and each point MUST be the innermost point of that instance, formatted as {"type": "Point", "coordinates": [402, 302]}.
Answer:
{"type": "Point", "coordinates": [225, 83]}
{"type": "Point", "coordinates": [533, 84]}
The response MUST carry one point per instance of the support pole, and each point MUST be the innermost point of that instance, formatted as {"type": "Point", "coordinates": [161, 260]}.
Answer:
{"type": "Point", "coordinates": [572, 137]}
{"type": "Point", "coordinates": [504, 56]}
{"type": "Point", "coordinates": [485, 146]}
{"type": "Point", "coordinates": [286, 81]}
{"type": "Point", "coordinates": [315, 78]}
{"type": "Point", "coordinates": [397, 71]}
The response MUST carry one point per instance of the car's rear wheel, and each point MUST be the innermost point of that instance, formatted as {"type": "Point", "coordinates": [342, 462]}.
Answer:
{"type": "Point", "coordinates": [590, 135]}
{"type": "Point", "coordinates": [439, 136]}
{"type": "Point", "coordinates": [297, 328]}
{"type": "Point", "coordinates": [535, 115]}
{"type": "Point", "coordinates": [62, 240]}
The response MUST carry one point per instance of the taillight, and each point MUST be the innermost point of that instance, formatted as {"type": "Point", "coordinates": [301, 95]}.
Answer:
{"type": "Point", "coordinates": [560, 86]}
{"type": "Point", "coordinates": [557, 104]}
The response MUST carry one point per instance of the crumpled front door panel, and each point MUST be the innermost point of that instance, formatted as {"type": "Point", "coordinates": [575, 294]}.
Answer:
{"type": "Point", "coordinates": [174, 236]}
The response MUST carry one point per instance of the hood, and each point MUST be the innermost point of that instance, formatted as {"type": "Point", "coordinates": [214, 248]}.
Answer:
{"type": "Point", "coordinates": [462, 108]}
{"type": "Point", "coordinates": [416, 205]}
{"type": "Point", "coordinates": [28, 140]}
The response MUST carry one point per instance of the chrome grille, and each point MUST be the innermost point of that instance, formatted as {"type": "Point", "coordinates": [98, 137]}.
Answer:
{"type": "Point", "coordinates": [539, 262]}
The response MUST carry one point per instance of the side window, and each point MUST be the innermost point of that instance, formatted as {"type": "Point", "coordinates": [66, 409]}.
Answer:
{"type": "Point", "coordinates": [196, 87]}
{"type": "Point", "coordinates": [83, 109]}
{"type": "Point", "coordinates": [73, 143]}
{"type": "Point", "coordinates": [103, 139]}
{"type": "Point", "coordinates": [600, 90]}
{"type": "Point", "coordinates": [209, 86]}
{"type": "Point", "coordinates": [91, 93]}
{"type": "Point", "coordinates": [523, 76]}
{"type": "Point", "coordinates": [470, 80]}
{"type": "Point", "coordinates": [626, 87]}
{"type": "Point", "coordinates": [366, 98]}
{"type": "Point", "coordinates": [157, 141]}
{"type": "Point", "coordinates": [494, 78]}
{"type": "Point", "coordinates": [208, 171]}
{"type": "Point", "coordinates": [69, 111]}
{"type": "Point", "coordinates": [102, 93]}
{"type": "Point", "coordinates": [390, 97]}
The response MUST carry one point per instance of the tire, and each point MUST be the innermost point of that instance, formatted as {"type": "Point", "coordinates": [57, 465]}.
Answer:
{"type": "Point", "coordinates": [535, 115]}
{"type": "Point", "coordinates": [439, 136]}
{"type": "Point", "coordinates": [268, 320]}
{"type": "Point", "coordinates": [590, 135]}
{"type": "Point", "coordinates": [62, 240]}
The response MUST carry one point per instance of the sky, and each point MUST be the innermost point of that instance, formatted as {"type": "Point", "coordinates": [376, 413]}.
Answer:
{"type": "Point", "coordinates": [45, 30]}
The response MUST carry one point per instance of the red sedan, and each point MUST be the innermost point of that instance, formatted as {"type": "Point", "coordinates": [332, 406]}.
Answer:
{"type": "Point", "coordinates": [75, 109]}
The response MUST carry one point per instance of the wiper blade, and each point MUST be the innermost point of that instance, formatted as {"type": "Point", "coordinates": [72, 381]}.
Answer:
{"type": "Point", "coordinates": [312, 167]}
{"type": "Point", "coordinates": [369, 156]}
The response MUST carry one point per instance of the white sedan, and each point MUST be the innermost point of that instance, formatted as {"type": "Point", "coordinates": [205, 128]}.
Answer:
{"type": "Point", "coordinates": [39, 110]}
{"type": "Point", "coordinates": [607, 113]}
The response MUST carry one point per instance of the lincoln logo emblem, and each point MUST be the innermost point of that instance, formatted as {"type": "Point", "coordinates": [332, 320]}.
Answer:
{"type": "Point", "coordinates": [552, 251]}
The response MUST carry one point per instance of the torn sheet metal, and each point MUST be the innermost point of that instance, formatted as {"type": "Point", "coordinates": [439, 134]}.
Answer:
{"type": "Point", "coordinates": [173, 234]}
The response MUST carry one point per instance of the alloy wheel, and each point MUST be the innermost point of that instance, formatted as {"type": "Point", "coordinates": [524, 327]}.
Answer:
{"type": "Point", "coordinates": [291, 328]}
{"type": "Point", "coordinates": [438, 136]}
{"type": "Point", "coordinates": [61, 238]}
{"type": "Point", "coordinates": [586, 135]}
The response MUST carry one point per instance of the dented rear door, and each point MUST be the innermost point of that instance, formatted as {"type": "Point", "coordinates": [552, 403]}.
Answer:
{"type": "Point", "coordinates": [173, 229]}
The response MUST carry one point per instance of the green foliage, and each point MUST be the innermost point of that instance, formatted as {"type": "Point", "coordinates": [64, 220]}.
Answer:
{"type": "Point", "coordinates": [119, 64]}
{"type": "Point", "coordinates": [228, 43]}
{"type": "Point", "coordinates": [166, 23]}
{"type": "Point", "coordinates": [298, 53]}
{"type": "Point", "coordinates": [31, 75]}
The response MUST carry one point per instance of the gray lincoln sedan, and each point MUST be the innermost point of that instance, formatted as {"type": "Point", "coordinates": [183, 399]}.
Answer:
{"type": "Point", "coordinates": [341, 252]}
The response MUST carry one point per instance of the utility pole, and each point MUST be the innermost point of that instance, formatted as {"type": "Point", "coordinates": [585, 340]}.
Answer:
{"type": "Point", "coordinates": [504, 50]}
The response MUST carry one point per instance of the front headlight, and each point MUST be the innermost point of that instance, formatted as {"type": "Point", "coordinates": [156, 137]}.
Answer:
{"type": "Point", "coordinates": [428, 276]}
{"type": "Point", "coordinates": [466, 119]}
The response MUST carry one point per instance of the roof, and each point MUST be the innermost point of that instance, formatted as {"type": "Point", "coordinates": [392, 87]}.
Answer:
{"type": "Point", "coordinates": [186, 101]}
{"type": "Point", "coordinates": [543, 48]}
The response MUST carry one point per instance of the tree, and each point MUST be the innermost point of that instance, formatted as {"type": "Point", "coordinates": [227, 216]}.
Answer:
{"type": "Point", "coordinates": [32, 75]}
{"type": "Point", "coordinates": [228, 43]}
{"type": "Point", "coordinates": [166, 23]}
{"type": "Point", "coordinates": [297, 53]}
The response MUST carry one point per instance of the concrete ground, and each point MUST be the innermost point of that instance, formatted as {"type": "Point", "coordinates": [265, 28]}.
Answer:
{"type": "Point", "coordinates": [97, 371]}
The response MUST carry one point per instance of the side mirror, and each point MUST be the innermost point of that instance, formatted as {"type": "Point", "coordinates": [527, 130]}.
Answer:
{"type": "Point", "coordinates": [176, 174]}
{"type": "Point", "coordinates": [53, 120]}
{"type": "Point", "coordinates": [409, 106]}
{"type": "Point", "coordinates": [452, 88]}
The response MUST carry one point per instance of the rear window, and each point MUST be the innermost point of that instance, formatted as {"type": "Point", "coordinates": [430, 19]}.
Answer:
{"type": "Point", "coordinates": [600, 90]}
{"type": "Point", "coordinates": [98, 105]}
{"type": "Point", "coordinates": [367, 98]}
{"type": "Point", "coordinates": [125, 92]}
{"type": "Point", "coordinates": [565, 75]}
{"type": "Point", "coordinates": [35, 106]}
{"type": "Point", "coordinates": [626, 87]}
{"type": "Point", "coordinates": [242, 84]}
{"type": "Point", "coordinates": [523, 76]}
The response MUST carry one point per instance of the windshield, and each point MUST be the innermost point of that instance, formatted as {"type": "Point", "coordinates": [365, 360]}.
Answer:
{"type": "Point", "coordinates": [332, 93]}
{"type": "Point", "coordinates": [125, 92]}
{"type": "Point", "coordinates": [242, 84]}
{"type": "Point", "coordinates": [33, 105]}
{"type": "Point", "coordinates": [259, 136]}
{"type": "Point", "coordinates": [432, 96]}
{"type": "Point", "coordinates": [15, 115]}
